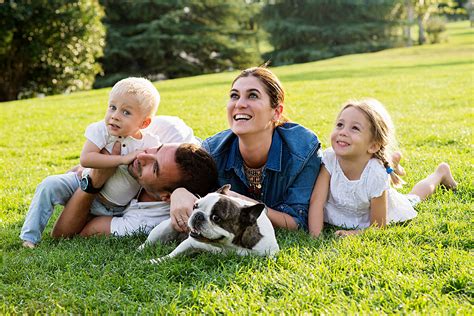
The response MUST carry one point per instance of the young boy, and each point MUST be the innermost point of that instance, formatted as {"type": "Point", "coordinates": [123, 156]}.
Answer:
{"type": "Point", "coordinates": [132, 104]}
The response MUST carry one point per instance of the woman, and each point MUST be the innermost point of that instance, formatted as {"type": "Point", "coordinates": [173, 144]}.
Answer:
{"type": "Point", "coordinates": [262, 156]}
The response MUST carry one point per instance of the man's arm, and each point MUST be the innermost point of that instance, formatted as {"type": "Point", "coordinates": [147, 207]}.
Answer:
{"type": "Point", "coordinates": [75, 214]}
{"type": "Point", "coordinates": [99, 225]}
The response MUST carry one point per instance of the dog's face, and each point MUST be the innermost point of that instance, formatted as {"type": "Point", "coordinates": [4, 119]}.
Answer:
{"type": "Point", "coordinates": [220, 219]}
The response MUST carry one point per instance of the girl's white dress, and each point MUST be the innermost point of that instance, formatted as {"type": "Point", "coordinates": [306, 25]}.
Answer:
{"type": "Point", "coordinates": [348, 203]}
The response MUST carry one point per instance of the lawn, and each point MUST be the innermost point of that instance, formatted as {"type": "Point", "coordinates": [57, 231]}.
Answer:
{"type": "Point", "coordinates": [423, 267]}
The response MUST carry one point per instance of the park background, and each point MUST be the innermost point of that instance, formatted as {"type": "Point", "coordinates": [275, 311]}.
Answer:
{"type": "Point", "coordinates": [424, 266]}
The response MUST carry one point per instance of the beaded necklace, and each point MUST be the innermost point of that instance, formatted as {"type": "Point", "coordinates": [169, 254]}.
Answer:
{"type": "Point", "coordinates": [255, 177]}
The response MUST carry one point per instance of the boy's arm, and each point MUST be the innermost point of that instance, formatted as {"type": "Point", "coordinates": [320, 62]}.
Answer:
{"type": "Point", "coordinates": [91, 157]}
{"type": "Point", "coordinates": [317, 202]}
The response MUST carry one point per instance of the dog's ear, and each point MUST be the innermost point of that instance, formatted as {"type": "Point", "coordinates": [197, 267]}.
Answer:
{"type": "Point", "coordinates": [224, 189]}
{"type": "Point", "coordinates": [251, 213]}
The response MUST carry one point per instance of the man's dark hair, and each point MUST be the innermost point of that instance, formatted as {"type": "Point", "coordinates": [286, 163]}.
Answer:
{"type": "Point", "coordinates": [198, 169]}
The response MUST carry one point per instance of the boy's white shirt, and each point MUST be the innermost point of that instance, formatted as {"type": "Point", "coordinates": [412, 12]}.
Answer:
{"type": "Point", "coordinates": [122, 187]}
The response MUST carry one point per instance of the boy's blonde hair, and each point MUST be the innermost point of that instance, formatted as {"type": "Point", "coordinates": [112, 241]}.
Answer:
{"type": "Point", "coordinates": [383, 131]}
{"type": "Point", "coordinates": [145, 92]}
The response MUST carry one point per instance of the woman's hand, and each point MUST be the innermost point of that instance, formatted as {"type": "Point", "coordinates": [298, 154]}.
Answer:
{"type": "Point", "coordinates": [181, 206]}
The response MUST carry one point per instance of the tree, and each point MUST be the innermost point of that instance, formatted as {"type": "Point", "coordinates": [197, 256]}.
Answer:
{"type": "Point", "coordinates": [424, 9]}
{"type": "Point", "coordinates": [168, 39]}
{"type": "Point", "coordinates": [305, 30]}
{"type": "Point", "coordinates": [49, 46]}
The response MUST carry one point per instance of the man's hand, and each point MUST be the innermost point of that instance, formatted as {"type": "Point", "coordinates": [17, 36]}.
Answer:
{"type": "Point", "coordinates": [181, 207]}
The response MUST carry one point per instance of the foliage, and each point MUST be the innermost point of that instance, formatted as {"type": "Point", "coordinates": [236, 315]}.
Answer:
{"type": "Point", "coordinates": [424, 9]}
{"type": "Point", "coordinates": [305, 30]}
{"type": "Point", "coordinates": [423, 267]}
{"type": "Point", "coordinates": [167, 39]}
{"type": "Point", "coordinates": [434, 27]}
{"type": "Point", "coordinates": [49, 46]}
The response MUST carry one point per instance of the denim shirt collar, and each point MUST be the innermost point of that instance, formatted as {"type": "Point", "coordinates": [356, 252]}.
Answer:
{"type": "Point", "coordinates": [236, 162]}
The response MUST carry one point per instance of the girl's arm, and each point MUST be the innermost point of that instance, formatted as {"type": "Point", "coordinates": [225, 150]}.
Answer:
{"type": "Point", "coordinates": [92, 158]}
{"type": "Point", "coordinates": [378, 210]}
{"type": "Point", "coordinates": [317, 202]}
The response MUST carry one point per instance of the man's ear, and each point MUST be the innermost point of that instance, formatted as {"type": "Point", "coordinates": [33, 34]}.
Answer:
{"type": "Point", "coordinates": [145, 123]}
{"type": "Point", "coordinates": [374, 147]}
{"type": "Point", "coordinates": [165, 196]}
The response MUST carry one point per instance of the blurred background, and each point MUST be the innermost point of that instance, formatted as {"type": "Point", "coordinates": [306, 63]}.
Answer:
{"type": "Point", "coordinates": [61, 46]}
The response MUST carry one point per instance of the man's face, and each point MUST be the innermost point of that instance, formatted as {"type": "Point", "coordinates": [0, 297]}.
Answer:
{"type": "Point", "coordinates": [156, 169]}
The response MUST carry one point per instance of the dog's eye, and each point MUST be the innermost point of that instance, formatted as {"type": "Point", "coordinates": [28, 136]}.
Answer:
{"type": "Point", "coordinates": [215, 218]}
{"type": "Point", "coordinates": [195, 206]}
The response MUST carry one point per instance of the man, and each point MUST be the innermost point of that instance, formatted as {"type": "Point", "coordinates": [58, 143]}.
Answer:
{"type": "Point", "coordinates": [159, 171]}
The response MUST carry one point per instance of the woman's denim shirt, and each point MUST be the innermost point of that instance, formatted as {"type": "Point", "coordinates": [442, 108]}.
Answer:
{"type": "Point", "coordinates": [289, 174]}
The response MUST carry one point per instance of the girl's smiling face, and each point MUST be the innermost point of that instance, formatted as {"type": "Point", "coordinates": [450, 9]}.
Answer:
{"type": "Point", "coordinates": [249, 109]}
{"type": "Point", "coordinates": [352, 135]}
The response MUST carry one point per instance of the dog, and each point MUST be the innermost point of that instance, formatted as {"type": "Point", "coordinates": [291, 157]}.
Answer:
{"type": "Point", "coordinates": [220, 223]}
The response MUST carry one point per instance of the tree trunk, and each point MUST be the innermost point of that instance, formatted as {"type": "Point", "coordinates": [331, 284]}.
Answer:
{"type": "Point", "coordinates": [11, 79]}
{"type": "Point", "coordinates": [421, 30]}
{"type": "Point", "coordinates": [409, 22]}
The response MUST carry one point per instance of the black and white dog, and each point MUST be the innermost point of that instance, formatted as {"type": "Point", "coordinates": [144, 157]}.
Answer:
{"type": "Point", "coordinates": [221, 223]}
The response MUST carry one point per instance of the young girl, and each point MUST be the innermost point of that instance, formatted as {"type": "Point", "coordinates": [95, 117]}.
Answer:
{"type": "Point", "coordinates": [353, 190]}
{"type": "Point", "coordinates": [132, 104]}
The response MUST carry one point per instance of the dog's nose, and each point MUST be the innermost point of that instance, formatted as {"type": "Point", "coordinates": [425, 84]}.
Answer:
{"type": "Point", "coordinates": [197, 219]}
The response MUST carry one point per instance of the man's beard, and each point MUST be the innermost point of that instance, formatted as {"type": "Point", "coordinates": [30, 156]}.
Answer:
{"type": "Point", "coordinates": [131, 169]}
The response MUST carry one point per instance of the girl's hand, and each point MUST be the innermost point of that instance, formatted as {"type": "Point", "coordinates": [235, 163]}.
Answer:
{"type": "Point", "coordinates": [345, 233]}
{"type": "Point", "coordinates": [128, 158]}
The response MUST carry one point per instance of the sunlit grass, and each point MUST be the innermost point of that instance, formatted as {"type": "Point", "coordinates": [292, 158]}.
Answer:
{"type": "Point", "coordinates": [424, 266]}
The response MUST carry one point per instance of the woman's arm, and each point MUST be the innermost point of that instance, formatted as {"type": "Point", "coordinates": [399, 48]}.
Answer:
{"type": "Point", "coordinates": [296, 198]}
{"type": "Point", "coordinates": [277, 218]}
{"type": "Point", "coordinates": [281, 220]}
{"type": "Point", "coordinates": [92, 158]}
{"type": "Point", "coordinates": [317, 202]}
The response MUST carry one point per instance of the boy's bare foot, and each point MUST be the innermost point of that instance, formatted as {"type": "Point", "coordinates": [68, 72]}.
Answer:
{"type": "Point", "coordinates": [447, 178]}
{"type": "Point", "coordinates": [28, 244]}
{"type": "Point", "coordinates": [397, 168]}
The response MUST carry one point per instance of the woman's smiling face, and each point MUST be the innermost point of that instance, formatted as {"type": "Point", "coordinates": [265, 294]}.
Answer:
{"type": "Point", "coordinates": [249, 109]}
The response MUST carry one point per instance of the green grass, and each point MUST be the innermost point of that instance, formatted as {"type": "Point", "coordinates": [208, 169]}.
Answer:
{"type": "Point", "coordinates": [422, 267]}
